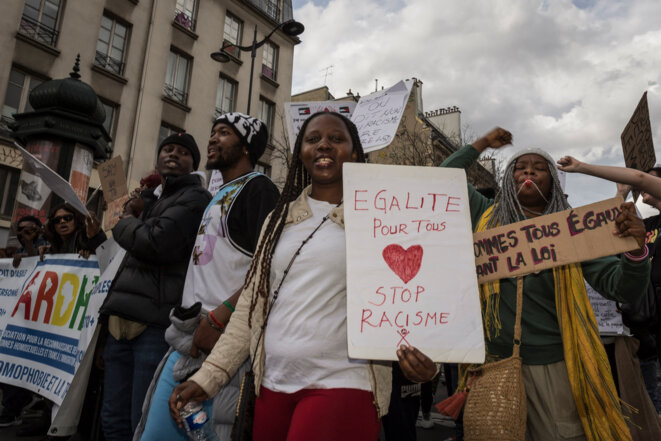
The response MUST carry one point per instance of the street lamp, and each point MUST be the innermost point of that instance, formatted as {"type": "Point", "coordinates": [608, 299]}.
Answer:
{"type": "Point", "coordinates": [289, 27]}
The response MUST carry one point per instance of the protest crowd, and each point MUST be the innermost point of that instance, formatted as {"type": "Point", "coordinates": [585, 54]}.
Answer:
{"type": "Point", "coordinates": [238, 301]}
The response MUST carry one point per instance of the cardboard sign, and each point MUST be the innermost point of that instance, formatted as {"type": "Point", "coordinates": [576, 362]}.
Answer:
{"type": "Point", "coordinates": [637, 141]}
{"type": "Point", "coordinates": [377, 115]}
{"type": "Point", "coordinates": [410, 271]}
{"type": "Point", "coordinates": [113, 179]}
{"type": "Point", "coordinates": [48, 314]}
{"type": "Point", "coordinates": [543, 242]}
{"type": "Point", "coordinates": [54, 181]}
{"type": "Point", "coordinates": [298, 112]}
{"type": "Point", "coordinates": [113, 212]}
{"type": "Point", "coordinates": [608, 318]}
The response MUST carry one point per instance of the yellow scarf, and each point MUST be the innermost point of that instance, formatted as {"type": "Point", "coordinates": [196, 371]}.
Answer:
{"type": "Point", "coordinates": [587, 364]}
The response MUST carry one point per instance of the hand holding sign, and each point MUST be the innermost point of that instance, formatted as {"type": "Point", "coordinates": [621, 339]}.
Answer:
{"type": "Point", "coordinates": [628, 224]}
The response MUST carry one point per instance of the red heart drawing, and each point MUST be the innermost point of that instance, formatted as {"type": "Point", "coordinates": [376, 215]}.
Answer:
{"type": "Point", "coordinates": [404, 263]}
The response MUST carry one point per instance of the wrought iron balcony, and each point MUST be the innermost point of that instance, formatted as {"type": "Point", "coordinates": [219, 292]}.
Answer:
{"type": "Point", "coordinates": [268, 72]}
{"type": "Point", "coordinates": [268, 7]}
{"type": "Point", "coordinates": [38, 31]}
{"type": "Point", "coordinates": [176, 94]}
{"type": "Point", "coordinates": [109, 63]}
{"type": "Point", "coordinates": [184, 19]}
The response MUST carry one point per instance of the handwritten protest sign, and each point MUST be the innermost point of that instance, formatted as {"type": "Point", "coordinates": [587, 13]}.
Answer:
{"type": "Point", "coordinates": [410, 271]}
{"type": "Point", "coordinates": [637, 141]}
{"type": "Point", "coordinates": [48, 312]}
{"type": "Point", "coordinates": [55, 182]}
{"type": "Point", "coordinates": [113, 211]}
{"type": "Point", "coordinates": [298, 112]}
{"type": "Point", "coordinates": [544, 242]}
{"type": "Point", "coordinates": [605, 312]}
{"type": "Point", "coordinates": [113, 179]}
{"type": "Point", "coordinates": [377, 115]}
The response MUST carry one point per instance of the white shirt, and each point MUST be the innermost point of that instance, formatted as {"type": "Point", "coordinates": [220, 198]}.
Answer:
{"type": "Point", "coordinates": [306, 334]}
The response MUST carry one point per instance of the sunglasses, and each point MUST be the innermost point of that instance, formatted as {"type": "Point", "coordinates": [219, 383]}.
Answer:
{"type": "Point", "coordinates": [65, 218]}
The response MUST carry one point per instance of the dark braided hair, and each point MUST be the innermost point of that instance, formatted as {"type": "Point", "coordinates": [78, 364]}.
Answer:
{"type": "Point", "coordinates": [297, 179]}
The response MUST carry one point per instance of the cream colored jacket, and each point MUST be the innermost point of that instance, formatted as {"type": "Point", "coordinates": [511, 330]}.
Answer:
{"type": "Point", "coordinates": [240, 340]}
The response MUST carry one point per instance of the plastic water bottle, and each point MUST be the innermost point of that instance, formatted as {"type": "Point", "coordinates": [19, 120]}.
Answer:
{"type": "Point", "coordinates": [197, 423]}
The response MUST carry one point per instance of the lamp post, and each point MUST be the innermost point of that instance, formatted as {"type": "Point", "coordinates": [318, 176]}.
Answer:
{"type": "Point", "coordinates": [289, 27]}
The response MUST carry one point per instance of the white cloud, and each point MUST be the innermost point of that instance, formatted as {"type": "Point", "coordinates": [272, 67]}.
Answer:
{"type": "Point", "coordinates": [562, 77]}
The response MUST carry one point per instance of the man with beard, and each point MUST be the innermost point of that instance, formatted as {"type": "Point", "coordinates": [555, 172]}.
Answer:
{"type": "Point", "coordinates": [224, 246]}
{"type": "Point", "coordinates": [158, 239]}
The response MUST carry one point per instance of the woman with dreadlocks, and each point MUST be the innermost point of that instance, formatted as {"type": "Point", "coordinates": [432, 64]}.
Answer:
{"type": "Point", "coordinates": [567, 378]}
{"type": "Point", "coordinates": [291, 315]}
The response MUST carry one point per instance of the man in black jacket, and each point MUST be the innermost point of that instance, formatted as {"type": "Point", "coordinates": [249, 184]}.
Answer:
{"type": "Point", "coordinates": [149, 282]}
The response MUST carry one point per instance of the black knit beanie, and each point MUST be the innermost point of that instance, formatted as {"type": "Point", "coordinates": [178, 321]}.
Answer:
{"type": "Point", "coordinates": [184, 140]}
{"type": "Point", "coordinates": [252, 132]}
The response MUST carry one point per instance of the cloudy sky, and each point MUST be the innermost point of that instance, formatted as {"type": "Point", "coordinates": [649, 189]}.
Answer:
{"type": "Point", "coordinates": [561, 75]}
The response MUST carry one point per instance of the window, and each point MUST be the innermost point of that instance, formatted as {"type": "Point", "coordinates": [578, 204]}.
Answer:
{"type": "Point", "coordinates": [184, 14]}
{"type": "Point", "coordinates": [269, 60]}
{"type": "Point", "coordinates": [39, 20]}
{"type": "Point", "coordinates": [265, 169]}
{"type": "Point", "coordinates": [232, 34]}
{"type": "Point", "coordinates": [8, 189]}
{"type": "Point", "coordinates": [266, 113]}
{"type": "Point", "coordinates": [272, 9]}
{"type": "Point", "coordinates": [225, 96]}
{"type": "Point", "coordinates": [167, 130]}
{"type": "Point", "coordinates": [111, 117]}
{"type": "Point", "coordinates": [269, 7]}
{"type": "Point", "coordinates": [176, 77]}
{"type": "Point", "coordinates": [111, 45]}
{"type": "Point", "coordinates": [16, 99]}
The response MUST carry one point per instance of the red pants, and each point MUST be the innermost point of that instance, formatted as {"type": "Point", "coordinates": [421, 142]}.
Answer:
{"type": "Point", "coordinates": [316, 414]}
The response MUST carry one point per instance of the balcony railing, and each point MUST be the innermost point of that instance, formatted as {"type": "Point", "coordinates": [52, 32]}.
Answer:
{"type": "Point", "coordinates": [109, 63]}
{"type": "Point", "coordinates": [268, 72]}
{"type": "Point", "coordinates": [176, 94]}
{"type": "Point", "coordinates": [220, 111]}
{"type": "Point", "coordinates": [268, 7]}
{"type": "Point", "coordinates": [231, 49]}
{"type": "Point", "coordinates": [37, 31]}
{"type": "Point", "coordinates": [184, 19]}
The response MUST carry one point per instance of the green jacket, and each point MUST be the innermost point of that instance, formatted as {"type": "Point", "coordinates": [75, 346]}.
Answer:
{"type": "Point", "coordinates": [541, 343]}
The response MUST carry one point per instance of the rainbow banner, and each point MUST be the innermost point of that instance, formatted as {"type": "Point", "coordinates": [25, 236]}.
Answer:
{"type": "Point", "coordinates": [48, 313]}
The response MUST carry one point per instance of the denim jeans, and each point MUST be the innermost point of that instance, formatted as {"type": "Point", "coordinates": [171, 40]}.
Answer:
{"type": "Point", "coordinates": [129, 368]}
{"type": "Point", "coordinates": [159, 425]}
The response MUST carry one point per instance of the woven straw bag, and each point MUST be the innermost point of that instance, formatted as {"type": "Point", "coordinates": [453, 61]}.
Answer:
{"type": "Point", "coordinates": [496, 403]}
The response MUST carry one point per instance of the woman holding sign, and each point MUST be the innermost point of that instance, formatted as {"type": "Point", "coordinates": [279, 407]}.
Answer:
{"type": "Point", "coordinates": [291, 316]}
{"type": "Point", "coordinates": [569, 388]}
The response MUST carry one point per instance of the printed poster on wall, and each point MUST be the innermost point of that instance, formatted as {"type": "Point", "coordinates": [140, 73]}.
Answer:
{"type": "Point", "coordinates": [55, 182]}
{"type": "Point", "coordinates": [81, 170]}
{"type": "Point", "coordinates": [48, 313]}
{"type": "Point", "coordinates": [410, 267]}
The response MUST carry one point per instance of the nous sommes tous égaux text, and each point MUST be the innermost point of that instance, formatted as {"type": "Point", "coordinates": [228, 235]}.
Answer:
{"type": "Point", "coordinates": [504, 242]}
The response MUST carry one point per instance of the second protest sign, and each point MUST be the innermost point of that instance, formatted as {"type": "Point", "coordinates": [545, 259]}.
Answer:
{"type": "Point", "coordinates": [570, 236]}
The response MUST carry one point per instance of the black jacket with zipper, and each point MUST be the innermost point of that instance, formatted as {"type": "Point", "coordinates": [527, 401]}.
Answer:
{"type": "Point", "coordinates": [150, 280]}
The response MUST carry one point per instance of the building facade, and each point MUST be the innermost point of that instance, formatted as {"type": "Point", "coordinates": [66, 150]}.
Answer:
{"type": "Point", "coordinates": [149, 63]}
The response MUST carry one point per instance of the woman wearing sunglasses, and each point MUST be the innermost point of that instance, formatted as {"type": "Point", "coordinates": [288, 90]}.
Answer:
{"type": "Point", "coordinates": [70, 232]}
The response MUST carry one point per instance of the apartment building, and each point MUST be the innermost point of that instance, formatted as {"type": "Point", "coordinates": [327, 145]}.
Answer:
{"type": "Point", "coordinates": [149, 62]}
